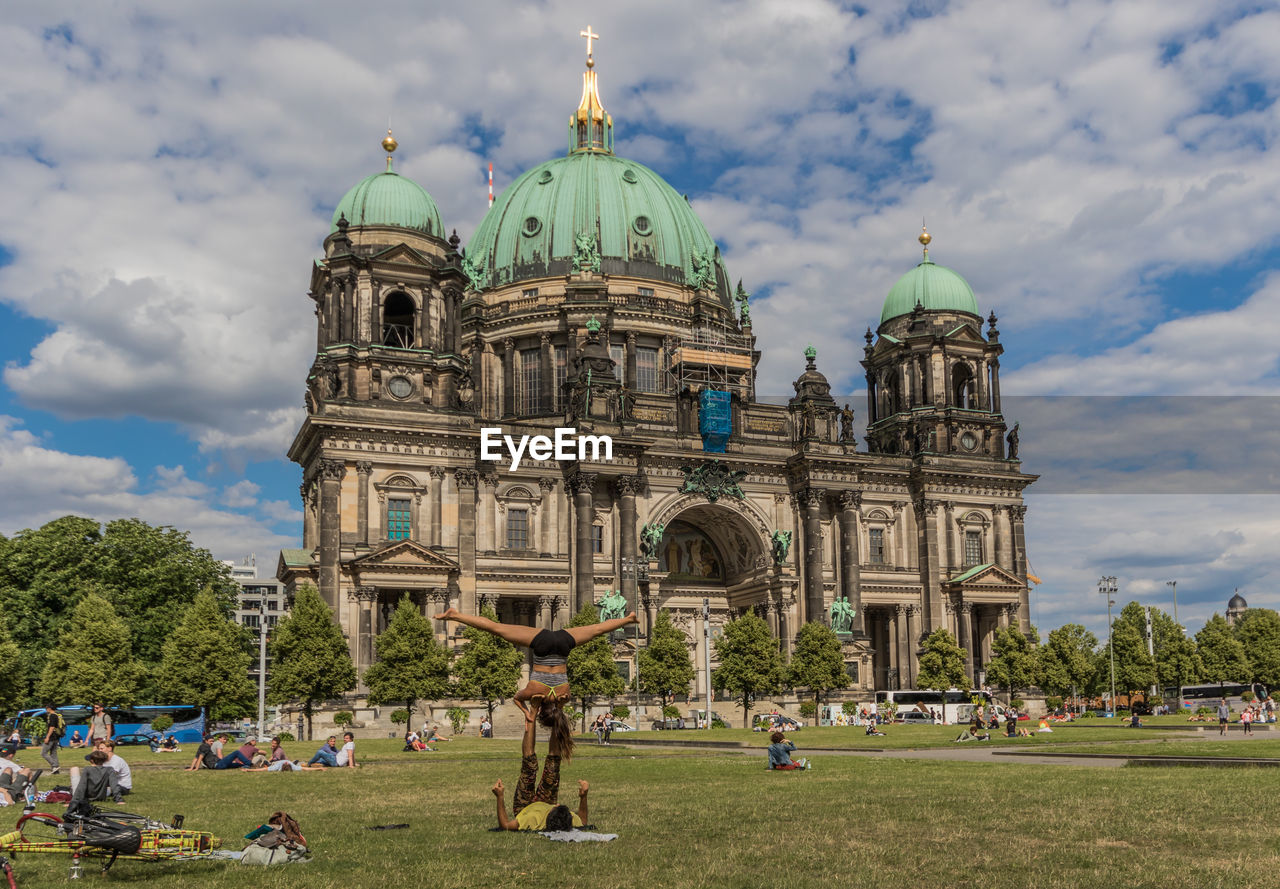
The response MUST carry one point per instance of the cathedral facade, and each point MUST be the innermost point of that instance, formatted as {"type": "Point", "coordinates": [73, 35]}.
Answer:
{"type": "Point", "coordinates": [591, 298]}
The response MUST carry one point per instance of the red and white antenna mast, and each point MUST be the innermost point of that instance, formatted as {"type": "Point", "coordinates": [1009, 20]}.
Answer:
{"type": "Point", "coordinates": [490, 183]}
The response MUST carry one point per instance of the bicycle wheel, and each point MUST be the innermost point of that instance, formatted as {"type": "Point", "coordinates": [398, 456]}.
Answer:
{"type": "Point", "coordinates": [41, 827]}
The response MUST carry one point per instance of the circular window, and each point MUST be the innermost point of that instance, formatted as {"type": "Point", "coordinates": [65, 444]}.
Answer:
{"type": "Point", "coordinates": [400, 387]}
{"type": "Point", "coordinates": [968, 441]}
{"type": "Point", "coordinates": [642, 225]}
{"type": "Point", "coordinates": [545, 177]}
{"type": "Point", "coordinates": [629, 175]}
{"type": "Point", "coordinates": [532, 225]}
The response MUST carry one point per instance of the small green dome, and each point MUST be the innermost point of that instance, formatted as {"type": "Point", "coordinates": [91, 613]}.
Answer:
{"type": "Point", "coordinates": [933, 287]}
{"type": "Point", "coordinates": [640, 225]}
{"type": "Point", "coordinates": [389, 199]}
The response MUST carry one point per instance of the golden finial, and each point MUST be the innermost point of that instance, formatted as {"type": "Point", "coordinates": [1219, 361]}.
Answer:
{"type": "Point", "coordinates": [924, 239]}
{"type": "Point", "coordinates": [590, 35]}
{"type": "Point", "coordinates": [389, 144]}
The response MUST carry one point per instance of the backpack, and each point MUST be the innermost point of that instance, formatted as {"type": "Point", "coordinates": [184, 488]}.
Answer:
{"type": "Point", "coordinates": [62, 726]}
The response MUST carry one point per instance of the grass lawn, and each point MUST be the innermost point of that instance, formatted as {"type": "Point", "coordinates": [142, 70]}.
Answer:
{"type": "Point", "coordinates": [712, 820]}
{"type": "Point", "coordinates": [898, 737]}
{"type": "Point", "coordinates": [1256, 746]}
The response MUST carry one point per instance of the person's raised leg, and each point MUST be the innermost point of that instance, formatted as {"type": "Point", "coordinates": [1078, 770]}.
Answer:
{"type": "Point", "coordinates": [528, 761]}
{"type": "Point", "coordinates": [590, 631]}
{"type": "Point", "coordinates": [516, 634]}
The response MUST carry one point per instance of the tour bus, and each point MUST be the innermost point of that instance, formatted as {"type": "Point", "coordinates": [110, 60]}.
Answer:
{"type": "Point", "coordinates": [954, 706]}
{"type": "Point", "coordinates": [1208, 694]}
{"type": "Point", "coordinates": [188, 722]}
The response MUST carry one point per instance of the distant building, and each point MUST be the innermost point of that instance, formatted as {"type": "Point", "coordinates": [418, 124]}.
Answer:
{"type": "Point", "coordinates": [1236, 608]}
{"type": "Point", "coordinates": [259, 599]}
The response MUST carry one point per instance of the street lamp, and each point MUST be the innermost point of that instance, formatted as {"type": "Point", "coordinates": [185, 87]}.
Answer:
{"type": "Point", "coordinates": [262, 666]}
{"type": "Point", "coordinates": [1173, 584]}
{"type": "Point", "coordinates": [1107, 587]}
{"type": "Point", "coordinates": [629, 571]}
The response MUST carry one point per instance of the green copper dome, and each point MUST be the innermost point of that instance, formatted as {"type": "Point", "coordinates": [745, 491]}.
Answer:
{"type": "Point", "coordinates": [637, 224]}
{"type": "Point", "coordinates": [933, 287]}
{"type": "Point", "coordinates": [390, 199]}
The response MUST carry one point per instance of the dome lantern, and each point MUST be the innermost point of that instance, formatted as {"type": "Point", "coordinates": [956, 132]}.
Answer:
{"type": "Point", "coordinates": [388, 199]}
{"type": "Point", "coordinates": [590, 127]}
{"type": "Point", "coordinates": [929, 287]}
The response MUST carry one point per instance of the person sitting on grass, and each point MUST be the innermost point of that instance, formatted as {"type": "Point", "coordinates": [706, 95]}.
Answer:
{"type": "Point", "coordinates": [431, 734]}
{"type": "Point", "coordinates": [327, 755]}
{"type": "Point", "coordinates": [241, 758]}
{"type": "Point", "coordinates": [347, 755]}
{"type": "Point", "coordinates": [124, 775]}
{"type": "Point", "coordinates": [205, 758]}
{"type": "Point", "coordinates": [969, 734]}
{"type": "Point", "coordinates": [539, 810]}
{"type": "Point", "coordinates": [780, 750]}
{"type": "Point", "coordinates": [77, 740]}
{"type": "Point", "coordinates": [169, 745]}
{"type": "Point", "coordinates": [95, 782]}
{"type": "Point", "coordinates": [872, 730]}
{"type": "Point", "coordinates": [14, 780]}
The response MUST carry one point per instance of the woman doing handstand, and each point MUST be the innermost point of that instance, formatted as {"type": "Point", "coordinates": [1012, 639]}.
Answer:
{"type": "Point", "coordinates": [549, 679]}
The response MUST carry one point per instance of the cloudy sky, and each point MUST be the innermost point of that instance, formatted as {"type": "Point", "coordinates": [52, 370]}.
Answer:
{"type": "Point", "coordinates": [1101, 173]}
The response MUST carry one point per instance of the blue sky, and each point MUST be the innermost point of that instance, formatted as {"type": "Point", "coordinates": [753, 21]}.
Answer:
{"type": "Point", "coordinates": [1101, 173]}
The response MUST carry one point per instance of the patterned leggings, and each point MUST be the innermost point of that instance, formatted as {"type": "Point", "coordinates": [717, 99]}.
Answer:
{"type": "Point", "coordinates": [548, 791]}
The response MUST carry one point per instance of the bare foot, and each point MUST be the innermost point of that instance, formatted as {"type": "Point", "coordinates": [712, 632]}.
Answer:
{"type": "Point", "coordinates": [450, 614]}
{"type": "Point", "coordinates": [632, 618]}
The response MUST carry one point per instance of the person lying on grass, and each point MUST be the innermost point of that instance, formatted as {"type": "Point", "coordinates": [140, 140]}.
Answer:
{"type": "Point", "coordinates": [780, 750]}
{"type": "Point", "coordinates": [549, 680]}
{"type": "Point", "coordinates": [286, 765]}
{"type": "Point", "coordinates": [539, 810]}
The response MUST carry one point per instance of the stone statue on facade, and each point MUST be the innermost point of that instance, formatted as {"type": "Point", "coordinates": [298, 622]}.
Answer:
{"type": "Point", "coordinates": [1012, 439]}
{"type": "Point", "coordinates": [846, 423]}
{"type": "Point", "coordinates": [613, 606]}
{"type": "Point", "coordinates": [702, 271]}
{"type": "Point", "coordinates": [650, 539]}
{"type": "Point", "coordinates": [586, 254]}
{"type": "Point", "coordinates": [842, 615]}
{"type": "Point", "coordinates": [742, 297]}
{"type": "Point", "coordinates": [781, 542]}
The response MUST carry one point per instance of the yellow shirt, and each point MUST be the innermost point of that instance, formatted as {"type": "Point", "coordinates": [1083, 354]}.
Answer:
{"type": "Point", "coordinates": [534, 817]}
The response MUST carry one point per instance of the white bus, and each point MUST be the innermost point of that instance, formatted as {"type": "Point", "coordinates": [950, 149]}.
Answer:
{"type": "Point", "coordinates": [954, 706]}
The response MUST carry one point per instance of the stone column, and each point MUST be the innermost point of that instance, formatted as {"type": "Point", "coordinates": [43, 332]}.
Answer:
{"type": "Point", "coordinates": [1002, 617]}
{"type": "Point", "coordinates": [438, 601]}
{"type": "Point", "coordinates": [544, 611]}
{"type": "Point", "coordinates": [309, 496]}
{"type": "Point", "coordinates": [488, 513]}
{"type": "Point", "coordinates": [913, 642]}
{"type": "Point", "coordinates": [548, 486]}
{"type": "Point", "coordinates": [850, 568]}
{"type": "Point", "coordinates": [581, 484]}
{"type": "Point", "coordinates": [998, 535]}
{"type": "Point", "coordinates": [902, 644]}
{"type": "Point", "coordinates": [983, 403]}
{"type": "Point", "coordinates": [629, 376]}
{"type": "Point", "coordinates": [466, 481]}
{"type": "Point", "coordinates": [364, 469]}
{"type": "Point", "coordinates": [965, 619]}
{"type": "Point", "coordinates": [900, 559]}
{"type": "Point", "coordinates": [560, 612]}
{"type": "Point", "coordinates": [995, 385]}
{"type": "Point", "coordinates": [331, 475]}
{"type": "Point", "coordinates": [546, 390]}
{"type": "Point", "coordinates": [930, 572]}
{"type": "Point", "coordinates": [626, 487]}
{"type": "Point", "coordinates": [366, 596]}
{"type": "Point", "coordinates": [436, 475]}
{"type": "Point", "coordinates": [1017, 514]}
{"type": "Point", "coordinates": [811, 506]}
{"type": "Point", "coordinates": [949, 529]}
{"type": "Point", "coordinates": [508, 377]}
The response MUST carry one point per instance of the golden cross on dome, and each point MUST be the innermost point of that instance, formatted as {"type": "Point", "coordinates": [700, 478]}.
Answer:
{"type": "Point", "coordinates": [590, 35]}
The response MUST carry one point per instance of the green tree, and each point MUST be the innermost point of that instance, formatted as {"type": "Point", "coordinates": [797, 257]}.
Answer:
{"type": "Point", "coordinates": [205, 663]}
{"type": "Point", "coordinates": [12, 684]}
{"type": "Point", "coordinates": [1135, 667]}
{"type": "Point", "coordinates": [310, 662]}
{"type": "Point", "coordinates": [93, 660]}
{"type": "Point", "coordinates": [750, 662]}
{"type": "Point", "coordinates": [1259, 632]}
{"type": "Point", "coordinates": [1065, 663]}
{"type": "Point", "coordinates": [941, 663]}
{"type": "Point", "coordinates": [817, 662]}
{"type": "Point", "coordinates": [412, 665]}
{"type": "Point", "coordinates": [1013, 661]}
{"type": "Point", "coordinates": [665, 667]}
{"type": "Point", "coordinates": [150, 574]}
{"type": "Point", "coordinates": [488, 667]}
{"type": "Point", "coordinates": [593, 673]}
{"type": "Point", "coordinates": [1221, 653]}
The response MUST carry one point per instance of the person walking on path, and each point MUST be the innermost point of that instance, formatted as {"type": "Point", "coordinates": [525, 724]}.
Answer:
{"type": "Point", "coordinates": [1246, 719]}
{"type": "Point", "coordinates": [1224, 715]}
{"type": "Point", "coordinates": [101, 726]}
{"type": "Point", "coordinates": [54, 727]}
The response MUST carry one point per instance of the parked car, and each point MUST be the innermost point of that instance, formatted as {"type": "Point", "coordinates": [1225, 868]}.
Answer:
{"type": "Point", "coordinates": [617, 725]}
{"type": "Point", "coordinates": [765, 722]}
{"type": "Point", "coordinates": [136, 739]}
{"type": "Point", "coordinates": [671, 722]}
{"type": "Point", "coordinates": [915, 717]}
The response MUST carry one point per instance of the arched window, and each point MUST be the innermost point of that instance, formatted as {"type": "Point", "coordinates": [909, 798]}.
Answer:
{"type": "Point", "coordinates": [963, 387]}
{"type": "Point", "coordinates": [397, 320]}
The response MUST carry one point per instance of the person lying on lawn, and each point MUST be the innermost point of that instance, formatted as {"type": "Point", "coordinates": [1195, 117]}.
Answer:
{"type": "Point", "coordinates": [539, 809]}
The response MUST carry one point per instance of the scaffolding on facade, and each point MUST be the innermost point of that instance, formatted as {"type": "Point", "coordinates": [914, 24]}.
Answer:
{"type": "Point", "coordinates": [713, 356]}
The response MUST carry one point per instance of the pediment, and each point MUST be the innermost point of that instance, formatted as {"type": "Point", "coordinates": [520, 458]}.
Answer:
{"type": "Point", "coordinates": [966, 334]}
{"type": "Point", "coordinates": [989, 575]}
{"type": "Point", "coordinates": [404, 554]}
{"type": "Point", "coordinates": [404, 254]}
